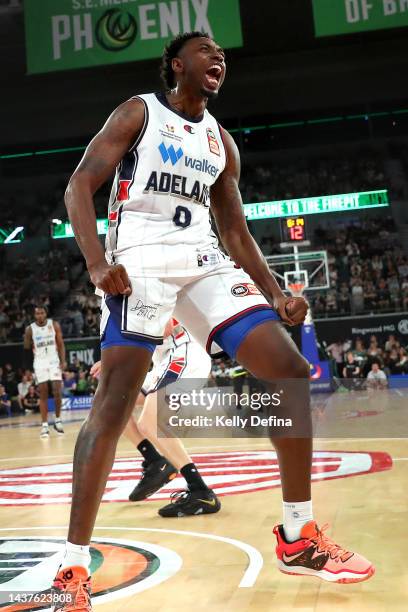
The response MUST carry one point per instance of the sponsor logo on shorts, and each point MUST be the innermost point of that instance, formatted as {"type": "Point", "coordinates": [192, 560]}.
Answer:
{"type": "Point", "coordinates": [145, 311]}
{"type": "Point", "coordinates": [243, 289]}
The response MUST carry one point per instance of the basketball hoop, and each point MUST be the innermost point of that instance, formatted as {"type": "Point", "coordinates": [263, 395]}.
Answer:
{"type": "Point", "coordinates": [296, 289]}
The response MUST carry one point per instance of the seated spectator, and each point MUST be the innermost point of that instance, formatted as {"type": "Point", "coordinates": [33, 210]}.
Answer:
{"type": "Point", "coordinates": [5, 403]}
{"type": "Point", "coordinates": [401, 367]}
{"type": "Point", "coordinates": [351, 368]}
{"type": "Point", "coordinates": [383, 295]}
{"type": "Point", "coordinates": [23, 388]}
{"type": "Point", "coordinates": [391, 360]}
{"type": "Point", "coordinates": [370, 296]}
{"type": "Point", "coordinates": [222, 374]}
{"type": "Point", "coordinates": [390, 343]}
{"type": "Point", "coordinates": [331, 301]}
{"type": "Point", "coordinates": [31, 401]}
{"type": "Point", "coordinates": [376, 378]}
{"type": "Point", "coordinates": [335, 350]}
{"type": "Point", "coordinates": [68, 383]}
{"type": "Point", "coordinates": [357, 295]}
{"type": "Point", "coordinates": [344, 298]}
{"type": "Point", "coordinates": [360, 354]}
{"type": "Point", "coordinates": [91, 323]}
{"type": "Point", "coordinates": [10, 380]}
{"type": "Point", "coordinates": [83, 386]}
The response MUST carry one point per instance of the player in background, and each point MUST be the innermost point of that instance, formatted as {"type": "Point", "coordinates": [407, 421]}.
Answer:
{"type": "Point", "coordinates": [173, 162]}
{"type": "Point", "coordinates": [44, 339]}
{"type": "Point", "coordinates": [178, 358]}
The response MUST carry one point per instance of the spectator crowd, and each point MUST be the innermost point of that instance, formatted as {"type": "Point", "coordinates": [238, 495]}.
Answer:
{"type": "Point", "coordinates": [19, 392]}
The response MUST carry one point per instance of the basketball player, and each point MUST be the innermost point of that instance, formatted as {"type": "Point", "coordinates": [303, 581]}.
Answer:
{"type": "Point", "coordinates": [179, 357]}
{"type": "Point", "coordinates": [172, 162]}
{"type": "Point", "coordinates": [44, 339]}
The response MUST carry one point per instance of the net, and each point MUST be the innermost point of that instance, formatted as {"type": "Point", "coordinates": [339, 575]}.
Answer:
{"type": "Point", "coordinates": [296, 289]}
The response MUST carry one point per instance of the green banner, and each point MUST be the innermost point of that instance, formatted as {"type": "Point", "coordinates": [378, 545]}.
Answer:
{"type": "Point", "coordinates": [313, 206]}
{"type": "Point", "coordinates": [11, 235]}
{"type": "Point", "coordinates": [274, 210]}
{"type": "Point", "coordinates": [334, 17]}
{"type": "Point", "coordinates": [65, 34]}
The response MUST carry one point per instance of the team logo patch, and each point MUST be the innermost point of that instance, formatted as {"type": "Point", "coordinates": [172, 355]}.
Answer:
{"type": "Point", "coordinates": [189, 129]}
{"type": "Point", "coordinates": [213, 142]}
{"type": "Point", "coordinates": [116, 30]}
{"type": "Point", "coordinates": [33, 562]}
{"type": "Point", "coordinates": [227, 473]}
{"type": "Point", "coordinates": [243, 289]}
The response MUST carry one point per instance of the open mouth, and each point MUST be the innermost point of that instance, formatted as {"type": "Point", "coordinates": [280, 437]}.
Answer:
{"type": "Point", "coordinates": [213, 76]}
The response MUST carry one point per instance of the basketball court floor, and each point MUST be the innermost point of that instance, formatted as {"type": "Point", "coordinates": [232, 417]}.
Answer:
{"type": "Point", "coordinates": [222, 562]}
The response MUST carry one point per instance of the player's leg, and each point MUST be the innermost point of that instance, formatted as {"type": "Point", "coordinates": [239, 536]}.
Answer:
{"type": "Point", "coordinates": [242, 323]}
{"type": "Point", "coordinates": [57, 393]}
{"type": "Point", "coordinates": [131, 431]}
{"type": "Point", "coordinates": [156, 474]}
{"type": "Point", "coordinates": [123, 371]}
{"type": "Point", "coordinates": [156, 469]}
{"type": "Point", "coordinates": [43, 392]}
{"type": "Point", "coordinates": [268, 352]}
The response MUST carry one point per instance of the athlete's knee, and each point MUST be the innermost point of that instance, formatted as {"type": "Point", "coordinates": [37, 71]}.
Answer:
{"type": "Point", "coordinates": [300, 368]}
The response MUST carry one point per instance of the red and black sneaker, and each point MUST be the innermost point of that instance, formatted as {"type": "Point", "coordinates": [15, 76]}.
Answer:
{"type": "Point", "coordinates": [315, 554]}
{"type": "Point", "coordinates": [71, 591]}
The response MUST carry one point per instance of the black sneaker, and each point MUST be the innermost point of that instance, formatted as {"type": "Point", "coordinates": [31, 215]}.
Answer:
{"type": "Point", "coordinates": [191, 503]}
{"type": "Point", "coordinates": [155, 475]}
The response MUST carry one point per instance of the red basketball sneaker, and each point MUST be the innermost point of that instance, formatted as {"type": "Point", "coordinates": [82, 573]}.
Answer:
{"type": "Point", "coordinates": [314, 554]}
{"type": "Point", "coordinates": [71, 591]}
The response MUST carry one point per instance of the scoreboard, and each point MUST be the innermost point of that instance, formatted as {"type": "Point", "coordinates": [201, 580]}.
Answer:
{"type": "Point", "coordinates": [293, 229]}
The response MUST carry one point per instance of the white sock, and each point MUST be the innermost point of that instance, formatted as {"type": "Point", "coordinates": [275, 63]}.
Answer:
{"type": "Point", "coordinates": [58, 419]}
{"type": "Point", "coordinates": [45, 424]}
{"type": "Point", "coordinates": [295, 515]}
{"type": "Point", "coordinates": [76, 556]}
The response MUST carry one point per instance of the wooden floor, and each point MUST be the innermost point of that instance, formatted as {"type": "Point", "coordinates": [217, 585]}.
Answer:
{"type": "Point", "coordinates": [223, 562]}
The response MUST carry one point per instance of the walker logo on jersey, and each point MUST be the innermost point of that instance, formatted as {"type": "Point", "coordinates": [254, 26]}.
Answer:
{"type": "Point", "coordinates": [33, 562]}
{"type": "Point", "coordinates": [213, 142]}
{"type": "Point", "coordinates": [189, 129]}
{"type": "Point", "coordinates": [170, 153]}
{"type": "Point", "coordinates": [227, 473]}
{"type": "Point", "coordinates": [68, 34]}
{"type": "Point", "coordinates": [202, 165]}
{"type": "Point", "coordinates": [243, 289]}
{"type": "Point", "coordinates": [145, 311]}
{"type": "Point", "coordinates": [116, 30]}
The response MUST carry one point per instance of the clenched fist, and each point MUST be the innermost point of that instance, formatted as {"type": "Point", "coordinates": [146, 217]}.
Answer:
{"type": "Point", "coordinates": [113, 280]}
{"type": "Point", "coordinates": [292, 310]}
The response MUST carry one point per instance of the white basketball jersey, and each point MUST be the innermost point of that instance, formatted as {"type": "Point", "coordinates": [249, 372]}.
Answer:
{"type": "Point", "coordinates": [44, 344]}
{"type": "Point", "coordinates": [159, 223]}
